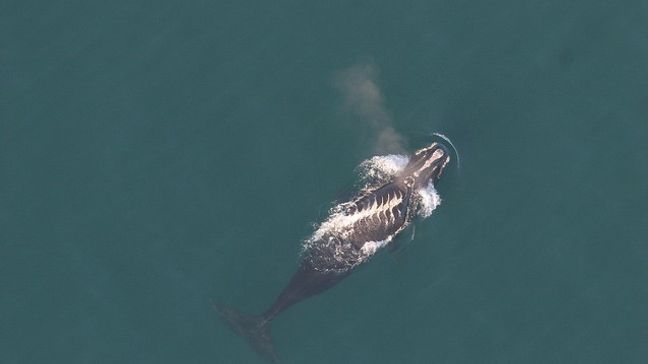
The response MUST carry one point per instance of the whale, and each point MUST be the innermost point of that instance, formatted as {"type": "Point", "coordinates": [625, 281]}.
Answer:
{"type": "Point", "coordinates": [353, 232]}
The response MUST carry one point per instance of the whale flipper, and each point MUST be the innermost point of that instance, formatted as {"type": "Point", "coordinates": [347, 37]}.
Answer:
{"type": "Point", "coordinates": [255, 329]}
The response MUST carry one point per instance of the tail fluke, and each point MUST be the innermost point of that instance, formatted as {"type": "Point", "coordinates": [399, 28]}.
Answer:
{"type": "Point", "coordinates": [255, 329]}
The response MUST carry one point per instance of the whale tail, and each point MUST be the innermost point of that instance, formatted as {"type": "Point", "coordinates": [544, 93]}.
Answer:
{"type": "Point", "coordinates": [255, 329]}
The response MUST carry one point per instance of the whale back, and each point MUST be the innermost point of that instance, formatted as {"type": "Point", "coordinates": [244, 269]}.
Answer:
{"type": "Point", "coordinates": [360, 227]}
{"type": "Point", "coordinates": [380, 214]}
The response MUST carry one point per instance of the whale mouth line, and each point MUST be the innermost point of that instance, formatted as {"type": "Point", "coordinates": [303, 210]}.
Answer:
{"type": "Point", "coordinates": [456, 152]}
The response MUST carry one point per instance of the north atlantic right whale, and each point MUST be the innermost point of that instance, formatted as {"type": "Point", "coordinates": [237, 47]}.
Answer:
{"type": "Point", "coordinates": [352, 234]}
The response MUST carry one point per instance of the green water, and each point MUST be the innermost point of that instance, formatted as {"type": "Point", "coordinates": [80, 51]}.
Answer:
{"type": "Point", "coordinates": [157, 155]}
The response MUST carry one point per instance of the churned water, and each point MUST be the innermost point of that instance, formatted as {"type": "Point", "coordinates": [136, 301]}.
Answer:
{"type": "Point", "coordinates": [155, 156]}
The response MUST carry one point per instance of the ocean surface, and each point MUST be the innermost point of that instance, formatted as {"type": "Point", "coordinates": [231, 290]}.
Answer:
{"type": "Point", "coordinates": [158, 156]}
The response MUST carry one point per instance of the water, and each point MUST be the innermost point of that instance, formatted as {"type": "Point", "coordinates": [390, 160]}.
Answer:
{"type": "Point", "coordinates": [157, 155]}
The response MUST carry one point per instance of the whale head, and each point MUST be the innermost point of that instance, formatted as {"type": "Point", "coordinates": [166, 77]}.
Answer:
{"type": "Point", "coordinates": [425, 166]}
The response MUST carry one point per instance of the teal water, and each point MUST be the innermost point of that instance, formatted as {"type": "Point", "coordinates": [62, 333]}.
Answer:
{"type": "Point", "coordinates": [157, 155]}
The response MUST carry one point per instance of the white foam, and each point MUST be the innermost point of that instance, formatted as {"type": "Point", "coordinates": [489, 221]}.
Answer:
{"type": "Point", "coordinates": [429, 200]}
{"type": "Point", "coordinates": [371, 247]}
{"type": "Point", "coordinates": [382, 168]}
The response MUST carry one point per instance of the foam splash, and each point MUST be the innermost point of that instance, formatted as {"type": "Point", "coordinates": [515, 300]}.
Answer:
{"type": "Point", "coordinates": [371, 247]}
{"type": "Point", "coordinates": [382, 168]}
{"type": "Point", "coordinates": [338, 222]}
{"type": "Point", "coordinates": [429, 201]}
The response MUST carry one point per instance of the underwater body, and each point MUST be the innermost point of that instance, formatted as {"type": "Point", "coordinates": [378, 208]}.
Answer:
{"type": "Point", "coordinates": [396, 190]}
